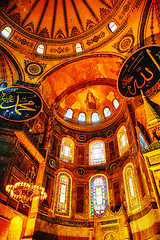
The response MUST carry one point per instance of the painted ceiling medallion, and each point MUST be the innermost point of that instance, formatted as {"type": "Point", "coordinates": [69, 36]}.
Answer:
{"type": "Point", "coordinates": [81, 171]}
{"type": "Point", "coordinates": [82, 137]}
{"type": "Point", "coordinates": [52, 162]}
{"type": "Point", "coordinates": [126, 43]}
{"type": "Point", "coordinates": [34, 69]}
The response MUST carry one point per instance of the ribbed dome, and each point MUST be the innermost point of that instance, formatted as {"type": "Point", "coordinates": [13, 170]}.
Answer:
{"type": "Point", "coordinates": [60, 19]}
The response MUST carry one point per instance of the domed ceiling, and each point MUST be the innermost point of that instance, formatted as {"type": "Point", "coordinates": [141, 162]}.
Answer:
{"type": "Point", "coordinates": [60, 19]}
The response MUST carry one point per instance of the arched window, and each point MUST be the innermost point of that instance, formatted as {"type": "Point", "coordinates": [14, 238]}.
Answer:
{"type": "Point", "coordinates": [63, 195]}
{"type": "Point", "coordinates": [67, 150]}
{"type": "Point", "coordinates": [40, 49]}
{"type": "Point", "coordinates": [107, 112]}
{"type": "Point", "coordinates": [112, 26]}
{"type": "Point", "coordinates": [6, 32]}
{"type": "Point", "coordinates": [69, 114]}
{"type": "Point", "coordinates": [122, 138]}
{"type": "Point", "coordinates": [97, 153]}
{"type": "Point", "coordinates": [78, 47]}
{"type": "Point", "coordinates": [81, 117]}
{"type": "Point", "coordinates": [115, 103]}
{"type": "Point", "coordinates": [95, 117]}
{"type": "Point", "coordinates": [131, 191]}
{"type": "Point", "coordinates": [98, 194]}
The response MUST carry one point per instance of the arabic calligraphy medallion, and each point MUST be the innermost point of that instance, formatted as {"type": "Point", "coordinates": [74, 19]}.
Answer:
{"type": "Point", "coordinates": [140, 71]}
{"type": "Point", "coordinates": [19, 104]}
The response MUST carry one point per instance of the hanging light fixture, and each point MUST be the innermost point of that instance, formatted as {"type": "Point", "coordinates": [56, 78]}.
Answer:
{"type": "Point", "coordinates": [25, 192]}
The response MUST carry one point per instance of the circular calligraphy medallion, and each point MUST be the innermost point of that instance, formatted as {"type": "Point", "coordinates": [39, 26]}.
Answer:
{"type": "Point", "coordinates": [34, 69]}
{"type": "Point", "coordinates": [19, 104]}
{"type": "Point", "coordinates": [140, 71]}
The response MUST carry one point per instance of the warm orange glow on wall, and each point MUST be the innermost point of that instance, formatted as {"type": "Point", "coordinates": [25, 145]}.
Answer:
{"type": "Point", "coordinates": [15, 229]}
{"type": "Point", "coordinates": [29, 146]}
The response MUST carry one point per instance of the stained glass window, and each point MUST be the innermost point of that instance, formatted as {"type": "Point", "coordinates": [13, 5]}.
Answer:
{"type": "Point", "coordinates": [67, 150]}
{"type": "Point", "coordinates": [69, 114]}
{"type": "Point", "coordinates": [115, 103]}
{"type": "Point", "coordinates": [107, 112]}
{"type": "Point", "coordinates": [131, 190]}
{"type": "Point", "coordinates": [78, 47]}
{"type": "Point", "coordinates": [81, 117]}
{"type": "Point", "coordinates": [98, 194]}
{"type": "Point", "coordinates": [95, 117]}
{"type": "Point", "coordinates": [63, 194]}
{"type": "Point", "coordinates": [112, 26]}
{"type": "Point", "coordinates": [97, 153]}
{"type": "Point", "coordinates": [6, 32]}
{"type": "Point", "coordinates": [143, 144]}
{"type": "Point", "coordinates": [40, 49]}
{"type": "Point", "coordinates": [122, 138]}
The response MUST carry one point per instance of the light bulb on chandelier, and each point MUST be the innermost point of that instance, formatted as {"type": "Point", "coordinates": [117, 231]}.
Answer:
{"type": "Point", "coordinates": [25, 192]}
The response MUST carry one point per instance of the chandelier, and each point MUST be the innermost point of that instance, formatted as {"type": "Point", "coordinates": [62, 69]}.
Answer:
{"type": "Point", "coordinates": [25, 192]}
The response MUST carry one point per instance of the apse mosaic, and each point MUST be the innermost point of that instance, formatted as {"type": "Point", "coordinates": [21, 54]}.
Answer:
{"type": "Point", "coordinates": [91, 104]}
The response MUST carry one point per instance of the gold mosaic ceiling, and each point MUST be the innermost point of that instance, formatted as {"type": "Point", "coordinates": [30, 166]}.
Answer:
{"type": "Point", "coordinates": [59, 18]}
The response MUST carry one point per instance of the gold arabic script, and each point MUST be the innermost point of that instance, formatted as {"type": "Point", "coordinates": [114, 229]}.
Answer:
{"type": "Point", "coordinates": [18, 106]}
